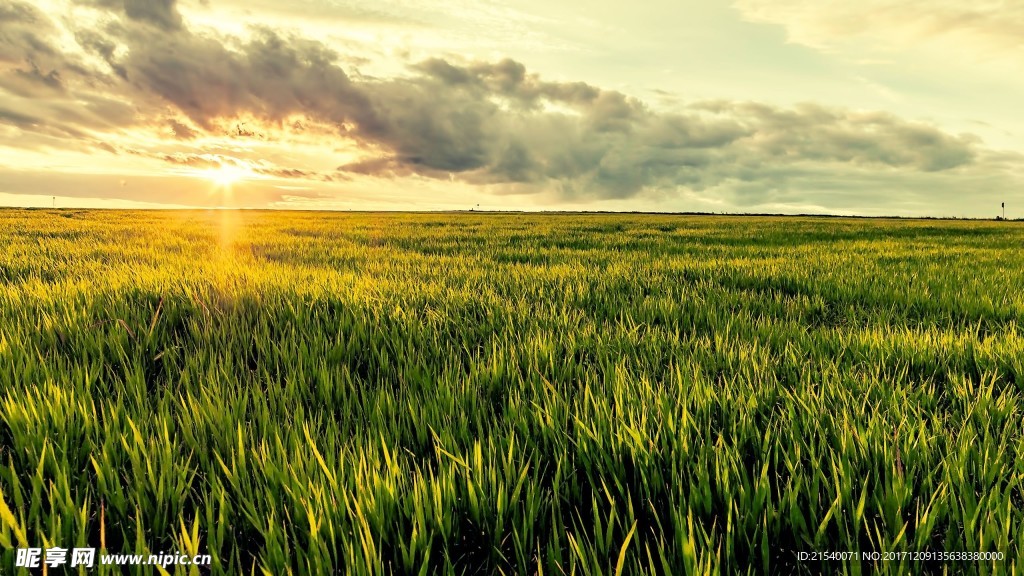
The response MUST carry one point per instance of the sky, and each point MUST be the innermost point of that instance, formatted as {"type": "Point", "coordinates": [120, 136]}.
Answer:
{"type": "Point", "coordinates": [878, 107]}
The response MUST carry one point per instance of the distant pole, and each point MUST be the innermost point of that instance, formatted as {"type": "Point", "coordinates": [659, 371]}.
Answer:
{"type": "Point", "coordinates": [1004, 210]}
{"type": "Point", "coordinates": [54, 201]}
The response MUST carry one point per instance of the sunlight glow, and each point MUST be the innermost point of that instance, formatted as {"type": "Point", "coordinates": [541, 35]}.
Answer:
{"type": "Point", "coordinates": [223, 172]}
{"type": "Point", "coordinates": [227, 175]}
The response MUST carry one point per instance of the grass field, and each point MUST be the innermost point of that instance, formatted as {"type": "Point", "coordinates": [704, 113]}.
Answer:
{"type": "Point", "coordinates": [304, 393]}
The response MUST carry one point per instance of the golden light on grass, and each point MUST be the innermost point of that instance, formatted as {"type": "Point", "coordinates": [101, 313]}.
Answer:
{"type": "Point", "coordinates": [229, 225]}
{"type": "Point", "coordinates": [225, 175]}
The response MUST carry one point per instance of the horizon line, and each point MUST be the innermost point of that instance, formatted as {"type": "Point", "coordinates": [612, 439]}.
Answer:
{"type": "Point", "coordinates": [996, 218]}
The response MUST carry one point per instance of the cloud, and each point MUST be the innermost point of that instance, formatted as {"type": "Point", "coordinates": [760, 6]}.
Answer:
{"type": "Point", "coordinates": [33, 64]}
{"type": "Point", "coordinates": [270, 76]}
{"type": "Point", "coordinates": [509, 79]}
{"type": "Point", "coordinates": [160, 189]}
{"type": "Point", "coordinates": [181, 130]}
{"type": "Point", "coordinates": [18, 119]}
{"type": "Point", "coordinates": [209, 161]}
{"type": "Point", "coordinates": [162, 14]}
{"type": "Point", "coordinates": [23, 33]}
{"type": "Point", "coordinates": [258, 168]}
{"type": "Point", "coordinates": [486, 125]}
{"type": "Point", "coordinates": [496, 125]}
{"type": "Point", "coordinates": [989, 26]}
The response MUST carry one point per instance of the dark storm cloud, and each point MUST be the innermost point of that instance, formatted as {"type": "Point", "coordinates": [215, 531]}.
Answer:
{"type": "Point", "coordinates": [490, 123]}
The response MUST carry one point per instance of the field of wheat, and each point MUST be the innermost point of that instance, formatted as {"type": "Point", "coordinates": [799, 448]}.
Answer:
{"type": "Point", "coordinates": [309, 393]}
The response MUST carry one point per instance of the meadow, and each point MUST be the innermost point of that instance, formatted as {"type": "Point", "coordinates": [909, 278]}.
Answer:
{"type": "Point", "coordinates": [309, 393]}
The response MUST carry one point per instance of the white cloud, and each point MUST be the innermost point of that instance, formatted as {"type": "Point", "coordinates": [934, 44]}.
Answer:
{"type": "Point", "coordinates": [975, 30]}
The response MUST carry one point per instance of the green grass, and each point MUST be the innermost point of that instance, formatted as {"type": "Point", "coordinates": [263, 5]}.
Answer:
{"type": "Point", "coordinates": [299, 393]}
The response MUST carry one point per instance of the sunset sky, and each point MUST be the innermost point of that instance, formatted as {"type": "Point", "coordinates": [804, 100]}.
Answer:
{"type": "Point", "coordinates": [901, 107]}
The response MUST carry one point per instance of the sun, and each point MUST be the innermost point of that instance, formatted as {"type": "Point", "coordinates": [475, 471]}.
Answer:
{"type": "Point", "coordinates": [226, 175]}
{"type": "Point", "coordinates": [223, 172]}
